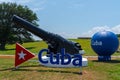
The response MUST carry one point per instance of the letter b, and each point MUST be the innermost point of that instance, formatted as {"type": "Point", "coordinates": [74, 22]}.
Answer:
{"type": "Point", "coordinates": [65, 56]}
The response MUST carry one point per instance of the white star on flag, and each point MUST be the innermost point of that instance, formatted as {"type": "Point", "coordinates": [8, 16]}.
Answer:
{"type": "Point", "coordinates": [21, 55]}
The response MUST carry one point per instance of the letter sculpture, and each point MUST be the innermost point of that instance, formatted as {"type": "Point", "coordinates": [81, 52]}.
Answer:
{"type": "Point", "coordinates": [55, 44]}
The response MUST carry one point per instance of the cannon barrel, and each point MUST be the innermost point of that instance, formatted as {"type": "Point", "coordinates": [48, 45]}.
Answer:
{"type": "Point", "coordinates": [54, 41]}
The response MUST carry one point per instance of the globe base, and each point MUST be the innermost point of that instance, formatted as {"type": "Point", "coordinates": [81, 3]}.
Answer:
{"type": "Point", "coordinates": [104, 58]}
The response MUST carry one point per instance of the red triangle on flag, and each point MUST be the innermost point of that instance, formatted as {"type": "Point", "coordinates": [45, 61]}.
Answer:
{"type": "Point", "coordinates": [22, 55]}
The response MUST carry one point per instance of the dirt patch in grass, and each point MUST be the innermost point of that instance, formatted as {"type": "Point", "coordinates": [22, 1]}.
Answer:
{"type": "Point", "coordinates": [7, 56]}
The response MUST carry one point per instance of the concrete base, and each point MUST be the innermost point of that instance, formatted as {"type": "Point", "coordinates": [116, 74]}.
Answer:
{"type": "Point", "coordinates": [84, 62]}
{"type": "Point", "coordinates": [104, 58]}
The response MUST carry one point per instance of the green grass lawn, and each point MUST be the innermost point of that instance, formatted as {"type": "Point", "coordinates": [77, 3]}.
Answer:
{"type": "Point", "coordinates": [34, 71]}
{"type": "Point", "coordinates": [35, 47]}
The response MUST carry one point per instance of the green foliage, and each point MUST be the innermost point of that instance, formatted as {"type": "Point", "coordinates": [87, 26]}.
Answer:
{"type": "Point", "coordinates": [9, 33]}
{"type": "Point", "coordinates": [118, 35]}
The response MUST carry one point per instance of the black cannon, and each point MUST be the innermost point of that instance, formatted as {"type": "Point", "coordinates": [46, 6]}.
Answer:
{"type": "Point", "coordinates": [54, 41]}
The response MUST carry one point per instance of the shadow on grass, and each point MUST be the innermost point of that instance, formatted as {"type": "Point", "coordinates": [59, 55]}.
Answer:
{"type": "Point", "coordinates": [15, 69]}
{"type": "Point", "coordinates": [27, 68]}
{"type": "Point", "coordinates": [111, 61]}
{"type": "Point", "coordinates": [7, 69]}
{"type": "Point", "coordinates": [30, 47]}
{"type": "Point", "coordinates": [14, 49]}
{"type": "Point", "coordinates": [8, 49]}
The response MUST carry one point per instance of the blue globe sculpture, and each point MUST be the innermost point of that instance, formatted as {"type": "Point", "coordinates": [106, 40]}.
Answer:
{"type": "Point", "coordinates": [104, 43]}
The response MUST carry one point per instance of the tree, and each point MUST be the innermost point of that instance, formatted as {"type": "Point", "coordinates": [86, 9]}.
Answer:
{"type": "Point", "coordinates": [118, 35]}
{"type": "Point", "coordinates": [10, 33]}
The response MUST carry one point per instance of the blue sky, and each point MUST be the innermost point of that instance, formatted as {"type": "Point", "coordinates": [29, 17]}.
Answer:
{"type": "Point", "coordinates": [75, 18]}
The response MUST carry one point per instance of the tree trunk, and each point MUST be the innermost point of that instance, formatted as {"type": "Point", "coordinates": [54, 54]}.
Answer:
{"type": "Point", "coordinates": [2, 46]}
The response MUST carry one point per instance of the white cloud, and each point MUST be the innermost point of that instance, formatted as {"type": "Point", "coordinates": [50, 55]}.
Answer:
{"type": "Point", "coordinates": [35, 5]}
{"type": "Point", "coordinates": [6, 1]}
{"type": "Point", "coordinates": [90, 33]}
{"type": "Point", "coordinates": [24, 1]}
{"type": "Point", "coordinates": [37, 9]}
{"type": "Point", "coordinates": [116, 29]}
{"type": "Point", "coordinates": [38, 6]}
{"type": "Point", "coordinates": [76, 4]}
{"type": "Point", "coordinates": [68, 35]}
{"type": "Point", "coordinates": [17, 1]}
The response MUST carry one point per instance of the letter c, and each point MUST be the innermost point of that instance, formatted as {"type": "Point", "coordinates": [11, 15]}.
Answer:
{"type": "Point", "coordinates": [40, 56]}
